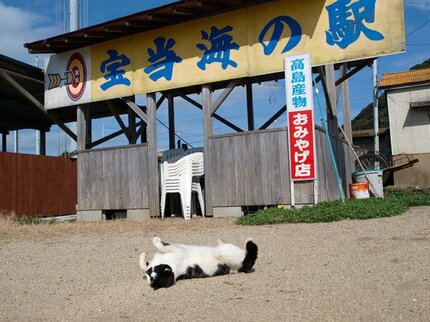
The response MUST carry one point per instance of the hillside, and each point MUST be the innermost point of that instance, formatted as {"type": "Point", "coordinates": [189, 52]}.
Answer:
{"type": "Point", "coordinates": [364, 119]}
{"type": "Point", "coordinates": [424, 64]}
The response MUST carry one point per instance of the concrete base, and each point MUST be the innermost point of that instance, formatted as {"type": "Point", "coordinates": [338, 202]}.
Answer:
{"type": "Point", "coordinates": [138, 214]}
{"type": "Point", "coordinates": [227, 212]}
{"type": "Point", "coordinates": [89, 215]}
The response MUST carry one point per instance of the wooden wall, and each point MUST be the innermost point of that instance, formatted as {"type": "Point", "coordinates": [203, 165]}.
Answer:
{"type": "Point", "coordinates": [252, 168]}
{"type": "Point", "coordinates": [113, 178]}
{"type": "Point", "coordinates": [248, 169]}
{"type": "Point", "coordinates": [37, 186]}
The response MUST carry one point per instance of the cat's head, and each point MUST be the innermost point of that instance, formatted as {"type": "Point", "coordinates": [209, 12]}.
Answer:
{"type": "Point", "coordinates": [160, 276]}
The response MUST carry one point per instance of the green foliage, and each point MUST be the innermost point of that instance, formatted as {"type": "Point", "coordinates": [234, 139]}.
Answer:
{"type": "Point", "coordinates": [364, 119]}
{"type": "Point", "coordinates": [66, 154]}
{"type": "Point", "coordinates": [424, 64]}
{"type": "Point", "coordinates": [395, 203]}
{"type": "Point", "coordinates": [33, 221]}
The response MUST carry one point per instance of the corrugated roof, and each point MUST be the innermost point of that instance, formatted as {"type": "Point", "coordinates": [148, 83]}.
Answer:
{"type": "Point", "coordinates": [167, 15]}
{"type": "Point", "coordinates": [423, 104]}
{"type": "Point", "coordinates": [405, 78]}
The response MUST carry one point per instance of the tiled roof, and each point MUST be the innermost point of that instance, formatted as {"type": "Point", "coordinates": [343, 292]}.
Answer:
{"type": "Point", "coordinates": [405, 78]}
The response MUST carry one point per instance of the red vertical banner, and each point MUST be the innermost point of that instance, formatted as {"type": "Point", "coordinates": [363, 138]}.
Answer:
{"type": "Point", "coordinates": [302, 145]}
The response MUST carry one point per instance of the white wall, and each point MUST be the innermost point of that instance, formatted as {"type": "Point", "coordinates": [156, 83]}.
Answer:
{"type": "Point", "coordinates": [409, 127]}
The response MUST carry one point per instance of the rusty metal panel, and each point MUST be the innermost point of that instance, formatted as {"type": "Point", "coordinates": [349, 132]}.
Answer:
{"type": "Point", "coordinates": [37, 186]}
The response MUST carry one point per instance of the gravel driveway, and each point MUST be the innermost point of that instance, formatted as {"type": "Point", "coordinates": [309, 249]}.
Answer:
{"type": "Point", "coordinates": [373, 270]}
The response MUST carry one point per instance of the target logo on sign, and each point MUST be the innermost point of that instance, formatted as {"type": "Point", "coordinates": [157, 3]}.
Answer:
{"type": "Point", "coordinates": [76, 76]}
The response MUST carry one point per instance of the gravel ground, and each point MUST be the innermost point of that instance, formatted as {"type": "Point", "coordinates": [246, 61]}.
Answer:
{"type": "Point", "coordinates": [374, 270]}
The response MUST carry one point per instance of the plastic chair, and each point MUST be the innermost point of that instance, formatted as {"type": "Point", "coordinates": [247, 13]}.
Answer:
{"type": "Point", "coordinates": [180, 177]}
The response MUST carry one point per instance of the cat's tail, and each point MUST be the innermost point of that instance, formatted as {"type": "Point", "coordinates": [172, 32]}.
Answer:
{"type": "Point", "coordinates": [250, 256]}
{"type": "Point", "coordinates": [142, 262]}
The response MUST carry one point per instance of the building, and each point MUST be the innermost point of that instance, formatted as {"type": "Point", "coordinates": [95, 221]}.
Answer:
{"type": "Point", "coordinates": [408, 99]}
{"type": "Point", "coordinates": [163, 53]}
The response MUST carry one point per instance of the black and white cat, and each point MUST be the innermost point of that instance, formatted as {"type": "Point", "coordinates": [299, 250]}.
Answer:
{"type": "Point", "coordinates": [177, 261]}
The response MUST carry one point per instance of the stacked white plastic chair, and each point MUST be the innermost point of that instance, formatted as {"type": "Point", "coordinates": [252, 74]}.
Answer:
{"type": "Point", "coordinates": [183, 177]}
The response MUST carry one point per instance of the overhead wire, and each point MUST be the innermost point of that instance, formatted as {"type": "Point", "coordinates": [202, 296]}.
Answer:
{"type": "Point", "coordinates": [418, 28]}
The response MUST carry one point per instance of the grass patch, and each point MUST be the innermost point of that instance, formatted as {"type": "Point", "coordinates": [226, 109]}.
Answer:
{"type": "Point", "coordinates": [395, 203]}
{"type": "Point", "coordinates": [33, 221]}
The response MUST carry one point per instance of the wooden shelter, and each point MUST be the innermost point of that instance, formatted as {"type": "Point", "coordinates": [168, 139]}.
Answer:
{"type": "Point", "coordinates": [247, 168]}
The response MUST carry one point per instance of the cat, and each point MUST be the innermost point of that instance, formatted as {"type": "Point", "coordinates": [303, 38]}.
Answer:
{"type": "Point", "coordinates": [174, 262]}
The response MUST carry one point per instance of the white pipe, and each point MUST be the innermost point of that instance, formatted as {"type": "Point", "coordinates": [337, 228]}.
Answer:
{"type": "Point", "coordinates": [375, 106]}
{"type": "Point", "coordinates": [15, 142]}
{"type": "Point", "coordinates": [37, 142]}
{"type": "Point", "coordinates": [74, 15]}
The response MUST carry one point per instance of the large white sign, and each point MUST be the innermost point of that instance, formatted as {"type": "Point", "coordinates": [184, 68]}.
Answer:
{"type": "Point", "coordinates": [301, 130]}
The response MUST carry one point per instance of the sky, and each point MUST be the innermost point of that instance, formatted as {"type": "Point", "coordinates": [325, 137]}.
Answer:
{"type": "Point", "coordinates": [23, 21]}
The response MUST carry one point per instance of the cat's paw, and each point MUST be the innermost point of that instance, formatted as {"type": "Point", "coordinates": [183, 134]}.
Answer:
{"type": "Point", "coordinates": [156, 241]}
{"type": "Point", "coordinates": [142, 261]}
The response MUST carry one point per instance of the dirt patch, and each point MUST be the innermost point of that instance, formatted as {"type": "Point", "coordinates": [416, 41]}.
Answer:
{"type": "Point", "coordinates": [374, 270]}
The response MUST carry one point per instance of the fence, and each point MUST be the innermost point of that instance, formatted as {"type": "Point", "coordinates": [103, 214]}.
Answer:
{"type": "Point", "coordinates": [37, 186]}
{"type": "Point", "coordinates": [252, 168]}
{"type": "Point", "coordinates": [113, 178]}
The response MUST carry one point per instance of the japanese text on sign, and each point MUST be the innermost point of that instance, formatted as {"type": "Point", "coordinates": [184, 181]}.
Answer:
{"type": "Point", "coordinates": [298, 84]}
{"type": "Point", "coordinates": [228, 46]}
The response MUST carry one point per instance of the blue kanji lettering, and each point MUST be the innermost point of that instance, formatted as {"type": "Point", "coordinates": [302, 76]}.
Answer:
{"type": "Point", "coordinates": [299, 89]}
{"type": "Point", "coordinates": [220, 46]}
{"type": "Point", "coordinates": [278, 24]}
{"type": "Point", "coordinates": [297, 77]}
{"type": "Point", "coordinates": [299, 101]}
{"type": "Point", "coordinates": [163, 59]}
{"type": "Point", "coordinates": [346, 22]}
{"type": "Point", "coordinates": [115, 75]}
{"type": "Point", "coordinates": [297, 64]}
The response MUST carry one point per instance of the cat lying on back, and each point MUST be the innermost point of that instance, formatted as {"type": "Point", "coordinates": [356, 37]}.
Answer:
{"type": "Point", "coordinates": [176, 261]}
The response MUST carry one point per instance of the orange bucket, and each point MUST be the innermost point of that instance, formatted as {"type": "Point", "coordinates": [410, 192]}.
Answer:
{"type": "Point", "coordinates": [359, 190]}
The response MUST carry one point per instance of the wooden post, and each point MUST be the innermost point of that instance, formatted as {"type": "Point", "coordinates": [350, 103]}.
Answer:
{"type": "Point", "coordinates": [346, 104]}
{"type": "Point", "coordinates": [132, 127]}
{"type": "Point", "coordinates": [208, 129]}
{"type": "Point", "coordinates": [88, 127]}
{"type": "Point", "coordinates": [144, 137]}
{"type": "Point", "coordinates": [42, 142]}
{"type": "Point", "coordinates": [331, 91]}
{"type": "Point", "coordinates": [4, 141]}
{"type": "Point", "coordinates": [80, 128]}
{"type": "Point", "coordinates": [171, 111]}
{"type": "Point", "coordinates": [250, 106]}
{"type": "Point", "coordinates": [153, 188]}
